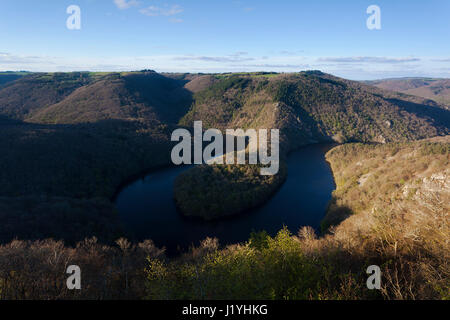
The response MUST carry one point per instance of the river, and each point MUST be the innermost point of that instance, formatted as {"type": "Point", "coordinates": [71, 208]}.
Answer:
{"type": "Point", "coordinates": [147, 209]}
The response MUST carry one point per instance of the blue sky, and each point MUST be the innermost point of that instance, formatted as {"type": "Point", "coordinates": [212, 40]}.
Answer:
{"type": "Point", "coordinates": [228, 36]}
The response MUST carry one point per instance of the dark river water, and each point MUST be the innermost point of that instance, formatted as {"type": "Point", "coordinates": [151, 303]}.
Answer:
{"type": "Point", "coordinates": [147, 209]}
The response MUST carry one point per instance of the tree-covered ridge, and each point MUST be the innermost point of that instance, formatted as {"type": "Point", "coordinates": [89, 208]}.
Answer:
{"type": "Point", "coordinates": [312, 106]}
{"type": "Point", "coordinates": [308, 107]}
{"type": "Point", "coordinates": [89, 97]}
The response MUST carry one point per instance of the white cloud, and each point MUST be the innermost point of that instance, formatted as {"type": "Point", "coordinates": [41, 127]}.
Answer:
{"type": "Point", "coordinates": [235, 57]}
{"type": "Point", "coordinates": [368, 60]}
{"type": "Point", "coordinates": [126, 4]}
{"type": "Point", "coordinates": [23, 60]}
{"type": "Point", "coordinates": [154, 11]}
{"type": "Point", "coordinates": [176, 20]}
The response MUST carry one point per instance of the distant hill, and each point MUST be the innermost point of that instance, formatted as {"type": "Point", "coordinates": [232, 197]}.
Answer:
{"type": "Point", "coordinates": [10, 76]}
{"type": "Point", "coordinates": [430, 88]}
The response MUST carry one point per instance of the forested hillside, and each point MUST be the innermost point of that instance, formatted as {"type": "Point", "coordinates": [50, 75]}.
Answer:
{"type": "Point", "coordinates": [308, 107]}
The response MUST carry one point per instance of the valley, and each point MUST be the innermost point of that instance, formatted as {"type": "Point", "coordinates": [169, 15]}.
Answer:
{"type": "Point", "coordinates": [71, 143]}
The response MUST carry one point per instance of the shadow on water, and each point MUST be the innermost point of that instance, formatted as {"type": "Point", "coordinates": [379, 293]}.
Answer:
{"type": "Point", "coordinates": [147, 209]}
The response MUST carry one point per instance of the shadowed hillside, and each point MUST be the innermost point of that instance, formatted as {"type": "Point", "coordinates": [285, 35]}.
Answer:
{"type": "Point", "coordinates": [105, 129]}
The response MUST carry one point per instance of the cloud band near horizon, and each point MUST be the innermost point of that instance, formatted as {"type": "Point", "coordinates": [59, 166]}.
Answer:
{"type": "Point", "coordinates": [357, 68]}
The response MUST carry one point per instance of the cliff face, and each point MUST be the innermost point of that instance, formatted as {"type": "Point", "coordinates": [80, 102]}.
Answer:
{"type": "Point", "coordinates": [410, 176]}
{"type": "Point", "coordinates": [392, 203]}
